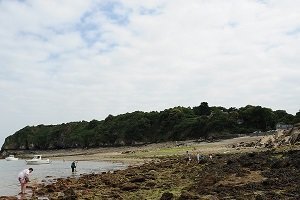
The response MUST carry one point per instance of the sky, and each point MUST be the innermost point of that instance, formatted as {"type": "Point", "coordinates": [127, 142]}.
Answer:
{"type": "Point", "coordinates": [74, 60]}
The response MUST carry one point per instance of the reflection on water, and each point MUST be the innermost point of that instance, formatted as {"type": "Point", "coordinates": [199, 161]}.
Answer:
{"type": "Point", "coordinates": [9, 184]}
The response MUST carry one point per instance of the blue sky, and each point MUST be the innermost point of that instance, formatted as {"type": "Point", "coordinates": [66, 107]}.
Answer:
{"type": "Point", "coordinates": [73, 60]}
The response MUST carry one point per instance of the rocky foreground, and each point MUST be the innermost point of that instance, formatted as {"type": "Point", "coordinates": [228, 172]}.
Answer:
{"type": "Point", "coordinates": [270, 174]}
{"type": "Point", "coordinates": [261, 168]}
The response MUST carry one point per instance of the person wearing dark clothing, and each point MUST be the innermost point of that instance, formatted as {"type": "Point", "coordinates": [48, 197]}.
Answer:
{"type": "Point", "coordinates": [73, 166]}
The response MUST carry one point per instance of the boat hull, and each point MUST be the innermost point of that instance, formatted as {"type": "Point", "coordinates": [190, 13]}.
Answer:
{"type": "Point", "coordinates": [11, 159]}
{"type": "Point", "coordinates": [37, 162]}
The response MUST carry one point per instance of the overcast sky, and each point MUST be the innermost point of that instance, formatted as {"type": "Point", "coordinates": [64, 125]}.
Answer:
{"type": "Point", "coordinates": [73, 60]}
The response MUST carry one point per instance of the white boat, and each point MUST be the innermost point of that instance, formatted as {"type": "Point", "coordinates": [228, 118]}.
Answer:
{"type": "Point", "coordinates": [11, 158]}
{"type": "Point", "coordinates": [37, 160]}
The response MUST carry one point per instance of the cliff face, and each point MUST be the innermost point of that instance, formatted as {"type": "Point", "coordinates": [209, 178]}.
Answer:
{"type": "Point", "coordinates": [42, 137]}
{"type": "Point", "coordinates": [10, 144]}
{"type": "Point", "coordinates": [71, 135]}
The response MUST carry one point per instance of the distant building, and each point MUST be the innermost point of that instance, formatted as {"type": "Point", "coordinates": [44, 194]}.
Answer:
{"type": "Point", "coordinates": [281, 125]}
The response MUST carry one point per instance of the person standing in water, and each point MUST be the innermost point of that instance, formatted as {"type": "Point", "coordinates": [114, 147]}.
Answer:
{"type": "Point", "coordinates": [23, 178]}
{"type": "Point", "coordinates": [73, 166]}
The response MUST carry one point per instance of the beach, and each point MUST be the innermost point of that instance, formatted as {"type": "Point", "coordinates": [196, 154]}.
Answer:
{"type": "Point", "coordinates": [161, 171]}
{"type": "Point", "coordinates": [139, 154]}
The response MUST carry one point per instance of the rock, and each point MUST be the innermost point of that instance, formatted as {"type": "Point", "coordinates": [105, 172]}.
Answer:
{"type": "Point", "coordinates": [297, 125]}
{"type": "Point", "coordinates": [255, 175]}
{"type": "Point", "coordinates": [209, 197]}
{"type": "Point", "coordinates": [295, 137]}
{"type": "Point", "coordinates": [186, 195]}
{"type": "Point", "coordinates": [129, 186]}
{"type": "Point", "coordinates": [50, 188]}
{"type": "Point", "coordinates": [167, 196]}
{"type": "Point", "coordinates": [137, 179]}
{"type": "Point", "coordinates": [150, 184]}
{"type": "Point", "coordinates": [70, 194]}
{"type": "Point", "coordinates": [8, 198]}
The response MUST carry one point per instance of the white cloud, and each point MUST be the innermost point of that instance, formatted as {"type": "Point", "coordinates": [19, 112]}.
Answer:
{"type": "Point", "coordinates": [64, 61]}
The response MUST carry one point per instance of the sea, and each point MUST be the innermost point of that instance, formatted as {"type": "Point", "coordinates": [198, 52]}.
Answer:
{"type": "Point", "coordinates": [9, 170]}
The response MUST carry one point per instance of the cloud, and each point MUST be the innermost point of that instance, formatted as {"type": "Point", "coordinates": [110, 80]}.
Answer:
{"type": "Point", "coordinates": [82, 60]}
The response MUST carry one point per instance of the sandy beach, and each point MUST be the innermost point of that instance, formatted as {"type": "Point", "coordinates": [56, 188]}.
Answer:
{"type": "Point", "coordinates": [135, 155]}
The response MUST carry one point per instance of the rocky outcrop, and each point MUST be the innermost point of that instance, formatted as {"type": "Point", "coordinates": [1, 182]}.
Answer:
{"type": "Point", "coordinates": [253, 175]}
{"type": "Point", "coordinates": [279, 138]}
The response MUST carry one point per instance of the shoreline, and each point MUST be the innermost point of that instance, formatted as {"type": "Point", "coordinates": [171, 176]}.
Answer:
{"type": "Point", "coordinates": [153, 167]}
{"type": "Point", "coordinates": [139, 153]}
{"type": "Point", "coordinates": [234, 176]}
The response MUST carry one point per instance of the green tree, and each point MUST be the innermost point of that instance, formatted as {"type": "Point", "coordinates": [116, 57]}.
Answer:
{"type": "Point", "coordinates": [203, 109]}
{"type": "Point", "coordinates": [297, 117]}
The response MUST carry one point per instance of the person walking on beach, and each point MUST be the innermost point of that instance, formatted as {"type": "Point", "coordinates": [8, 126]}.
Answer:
{"type": "Point", "coordinates": [188, 157]}
{"type": "Point", "coordinates": [73, 166]}
{"type": "Point", "coordinates": [23, 178]}
{"type": "Point", "coordinates": [198, 157]}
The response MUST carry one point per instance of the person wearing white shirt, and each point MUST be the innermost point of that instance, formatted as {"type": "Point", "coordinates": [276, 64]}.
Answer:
{"type": "Point", "coordinates": [23, 178]}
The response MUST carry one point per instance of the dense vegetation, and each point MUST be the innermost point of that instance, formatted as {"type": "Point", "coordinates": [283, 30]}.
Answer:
{"type": "Point", "coordinates": [178, 123]}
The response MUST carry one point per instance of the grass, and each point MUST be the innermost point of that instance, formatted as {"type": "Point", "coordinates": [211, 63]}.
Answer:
{"type": "Point", "coordinates": [159, 152]}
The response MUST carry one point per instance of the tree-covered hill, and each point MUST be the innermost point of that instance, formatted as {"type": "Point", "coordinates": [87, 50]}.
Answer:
{"type": "Point", "coordinates": [178, 123]}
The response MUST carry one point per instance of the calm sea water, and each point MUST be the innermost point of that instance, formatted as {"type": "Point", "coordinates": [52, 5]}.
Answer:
{"type": "Point", "coordinates": [9, 185]}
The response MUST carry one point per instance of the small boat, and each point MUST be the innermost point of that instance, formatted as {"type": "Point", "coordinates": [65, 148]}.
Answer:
{"type": "Point", "coordinates": [37, 160]}
{"type": "Point", "coordinates": [11, 158]}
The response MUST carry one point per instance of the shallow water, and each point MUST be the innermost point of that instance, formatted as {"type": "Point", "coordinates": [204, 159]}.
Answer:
{"type": "Point", "coordinates": [9, 184]}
